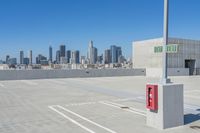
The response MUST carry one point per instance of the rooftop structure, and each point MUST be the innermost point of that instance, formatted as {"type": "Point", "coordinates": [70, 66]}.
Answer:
{"type": "Point", "coordinates": [186, 54]}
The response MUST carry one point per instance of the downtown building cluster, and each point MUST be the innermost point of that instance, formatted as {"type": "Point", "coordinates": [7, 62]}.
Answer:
{"type": "Point", "coordinates": [64, 58]}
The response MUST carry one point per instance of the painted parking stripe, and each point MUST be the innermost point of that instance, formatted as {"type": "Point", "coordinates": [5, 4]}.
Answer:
{"type": "Point", "coordinates": [193, 109]}
{"type": "Point", "coordinates": [71, 120]}
{"type": "Point", "coordinates": [81, 104]}
{"type": "Point", "coordinates": [2, 85]}
{"type": "Point", "coordinates": [29, 82]}
{"type": "Point", "coordinates": [92, 122]}
{"type": "Point", "coordinates": [119, 106]}
{"type": "Point", "coordinates": [191, 96]}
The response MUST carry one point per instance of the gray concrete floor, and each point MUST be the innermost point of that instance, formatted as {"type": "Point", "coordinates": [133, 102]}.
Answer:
{"type": "Point", "coordinates": [82, 105]}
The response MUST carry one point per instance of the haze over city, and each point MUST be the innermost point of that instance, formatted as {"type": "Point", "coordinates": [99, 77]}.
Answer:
{"type": "Point", "coordinates": [34, 25]}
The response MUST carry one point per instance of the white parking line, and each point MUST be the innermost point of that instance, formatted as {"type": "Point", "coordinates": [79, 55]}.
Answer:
{"type": "Point", "coordinates": [29, 82]}
{"type": "Point", "coordinates": [123, 100]}
{"type": "Point", "coordinates": [56, 81]}
{"type": "Point", "coordinates": [2, 85]}
{"type": "Point", "coordinates": [70, 119]}
{"type": "Point", "coordinates": [129, 109]}
{"type": "Point", "coordinates": [191, 96]}
{"type": "Point", "coordinates": [95, 102]}
{"type": "Point", "coordinates": [80, 104]}
{"type": "Point", "coordinates": [94, 123]}
{"type": "Point", "coordinates": [189, 91]}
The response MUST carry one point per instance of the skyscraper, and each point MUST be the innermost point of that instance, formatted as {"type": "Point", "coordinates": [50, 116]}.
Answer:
{"type": "Point", "coordinates": [26, 61]}
{"type": "Point", "coordinates": [115, 53]}
{"type": "Point", "coordinates": [95, 55]}
{"type": "Point", "coordinates": [21, 57]}
{"type": "Point", "coordinates": [119, 53]}
{"type": "Point", "coordinates": [107, 56]}
{"type": "Point", "coordinates": [40, 58]}
{"type": "Point", "coordinates": [68, 55]}
{"type": "Point", "coordinates": [30, 57]}
{"type": "Point", "coordinates": [75, 59]}
{"type": "Point", "coordinates": [7, 58]}
{"type": "Point", "coordinates": [12, 61]}
{"type": "Point", "coordinates": [100, 59]}
{"type": "Point", "coordinates": [58, 56]}
{"type": "Point", "coordinates": [82, 60]}
{"type": "Point", "coordinates": [50, 54]}
{"type": "Point", "coordinates": [92, 53]}
{"type": "Point", "coordinates": [62, 50]}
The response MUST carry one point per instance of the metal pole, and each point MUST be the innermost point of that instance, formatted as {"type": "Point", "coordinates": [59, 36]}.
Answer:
{"type": "Point", "coordinates": [165, 41]}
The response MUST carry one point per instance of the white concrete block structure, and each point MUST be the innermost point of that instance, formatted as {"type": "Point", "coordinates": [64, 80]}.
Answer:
{"type": "Point", "coordinates": [183, 62]}
{"type": "Point", "coordinates": [170, 111]}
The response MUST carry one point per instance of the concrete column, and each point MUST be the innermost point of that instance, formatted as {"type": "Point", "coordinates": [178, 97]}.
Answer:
{"type": "Point", "coordinates": [170, 111]}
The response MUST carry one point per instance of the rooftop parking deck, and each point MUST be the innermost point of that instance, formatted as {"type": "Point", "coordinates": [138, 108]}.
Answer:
{"type": "Point", "coordinates": [88, 105]}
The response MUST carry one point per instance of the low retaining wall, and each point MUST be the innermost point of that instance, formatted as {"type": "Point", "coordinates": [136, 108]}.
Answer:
{"type": "Point", "coordinates": [46, 74]}
{"type": "Point", "coordinates": [157, 72]}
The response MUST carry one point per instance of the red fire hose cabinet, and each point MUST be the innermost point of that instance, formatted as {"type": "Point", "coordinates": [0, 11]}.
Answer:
{"type": "Point", "coordinates": [152, 97]}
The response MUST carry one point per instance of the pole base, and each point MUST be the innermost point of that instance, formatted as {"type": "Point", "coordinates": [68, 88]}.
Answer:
{"type": "Point", "coordinates": [165, 81]}
{"type": "Point", "coordinates": [170, 111]}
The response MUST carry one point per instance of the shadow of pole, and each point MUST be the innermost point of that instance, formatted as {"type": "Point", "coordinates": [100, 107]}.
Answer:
{"type": "Point", "coordinates": [190, 118]}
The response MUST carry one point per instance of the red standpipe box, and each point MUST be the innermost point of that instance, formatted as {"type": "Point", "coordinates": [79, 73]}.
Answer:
{"type": "Point", "coordinates": [152, 97]}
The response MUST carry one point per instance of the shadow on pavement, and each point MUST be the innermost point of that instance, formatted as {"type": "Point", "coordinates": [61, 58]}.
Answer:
{"type": "Point", "coordinates": [189, 118]}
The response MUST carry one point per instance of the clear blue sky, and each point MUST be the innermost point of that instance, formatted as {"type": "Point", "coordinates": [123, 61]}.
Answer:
{"type": "Point", "coordinates": [32, 24]}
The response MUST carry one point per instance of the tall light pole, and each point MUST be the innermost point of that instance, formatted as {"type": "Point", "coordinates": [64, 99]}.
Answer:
{"type": "Point", "coordinates": [168, 108]}
{"type": "Point", "coordinates": [165, 42]}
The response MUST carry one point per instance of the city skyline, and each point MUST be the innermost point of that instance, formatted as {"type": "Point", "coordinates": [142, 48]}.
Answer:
{"type": "Point", "coordinates": [62, 55]}
{"type": "Point", "coordinates": [112, 22]}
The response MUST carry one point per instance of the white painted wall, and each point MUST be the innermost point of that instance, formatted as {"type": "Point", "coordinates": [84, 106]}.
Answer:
{"type": "Point", "coordinates": [144, 56]}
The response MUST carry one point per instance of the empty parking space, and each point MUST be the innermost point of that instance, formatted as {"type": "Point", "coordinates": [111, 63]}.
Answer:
{"type": "Point", "coordinates": [82, 105]}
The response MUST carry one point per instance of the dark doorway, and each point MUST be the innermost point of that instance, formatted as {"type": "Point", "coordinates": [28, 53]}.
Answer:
{"type": "Point", "coordinates": [191, 65]}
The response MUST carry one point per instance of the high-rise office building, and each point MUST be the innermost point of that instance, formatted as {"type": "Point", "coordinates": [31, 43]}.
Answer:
{"type": "Point", "coordinates": [92, 53]}
{"type": "Point", "coordinates": [7, 58]}
{"type": "Point", "coordinates": [62, 50]}
{"type": "Point", "coordinates": [63, 60]}
{"type": "Point", "coordinates": [21, 57]}
{"type": "Point", "coordinates": [40, 58]}
{"type": "Point", "coordinates": [50, 54]}
{"type": "Point", "coordinates": [30, 57]}
{"type": "Point", "coordinates": [100, 59]}
{"type": "Point", "coordinates": [26, 61]}
{"type": "Point", "coordinates": [82, 60]}
{"type": "Point", "coordinates": [58, 56]}
{"type": "Point", "coordinates": [107, 56]}
{"type": "Point", "coordinates": [95, 55]}
{"type": "Point", "coordinates": [115, 53]}
{"type": "Point", "coordinates": [12, 61]}
{"type": "Point", "coordinates": [75, 58]}
{"type": "Point", "coordinates": [119, 53]}
{"type": "Point", "coordinates": [68, 55]}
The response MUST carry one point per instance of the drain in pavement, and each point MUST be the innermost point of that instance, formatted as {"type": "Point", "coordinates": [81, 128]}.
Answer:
{"type": "Point", "coordinates": [124, 107]}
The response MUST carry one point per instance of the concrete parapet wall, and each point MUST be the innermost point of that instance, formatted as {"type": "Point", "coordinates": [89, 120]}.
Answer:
{"type": "Point", "coordinates": [157, 72]}
{"type": "Point", "coordinates": [46, 74]}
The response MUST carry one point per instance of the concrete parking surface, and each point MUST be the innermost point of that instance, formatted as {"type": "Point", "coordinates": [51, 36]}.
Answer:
{"type": "Point", "coordinates": [88, 105]}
